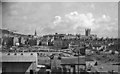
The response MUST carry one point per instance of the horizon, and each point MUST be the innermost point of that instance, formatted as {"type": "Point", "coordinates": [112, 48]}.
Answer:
{"type": "Point", "coordinates": [61, 33]}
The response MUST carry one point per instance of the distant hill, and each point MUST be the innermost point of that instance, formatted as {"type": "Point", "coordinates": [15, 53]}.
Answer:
{"type": "Point", "coordinates": [10, 33]}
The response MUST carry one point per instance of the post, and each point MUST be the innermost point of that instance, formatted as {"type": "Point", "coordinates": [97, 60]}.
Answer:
{"type": "Point", "coordinates": [74, 70]}
{"type": "Point", "coordinates": [50, 65]}
{"type": "Point", "coordinates": [51, 57]}
{"type": "Point", "coordinates": [78, 62]}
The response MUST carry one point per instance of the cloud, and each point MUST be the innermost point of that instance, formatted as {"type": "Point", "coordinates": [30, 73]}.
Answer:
{"type": "Point", "coordinates": [107, 26]}
{"type": "Point", "coordinates": [62, 18]}
{"type": "Point", "coordinates": [92, 6]}
{"type": "Point", "coordinates": [57, 20]}
{"type": "Point", "coordinates": [0, 15]}
{"type": "Point", "coordinates": [106, 18]}
{"type": "Point", "coordinates": [75, 22]}
{"type": "Point", "coordinates": [81, 20]}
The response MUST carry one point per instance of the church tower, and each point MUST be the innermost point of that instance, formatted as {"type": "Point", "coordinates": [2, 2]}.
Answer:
{"type": "Point", "coordinates": [35, 34]}
{"type": "Point", "coordinates": [87, 32]}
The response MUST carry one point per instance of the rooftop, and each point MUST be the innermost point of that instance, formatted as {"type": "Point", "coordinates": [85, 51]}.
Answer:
{"type": "Point", "coordinates": [19, 57]}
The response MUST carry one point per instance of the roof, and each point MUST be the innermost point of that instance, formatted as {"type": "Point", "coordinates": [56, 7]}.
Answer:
{"type": "Point", "coordinates": [88, 59]}
{"type": "Point", "coordinates": [64, 60]}
{"type": "Point", "coordinates": [73, 60]}
{"type": "Point", "coordinates": [26, 57]}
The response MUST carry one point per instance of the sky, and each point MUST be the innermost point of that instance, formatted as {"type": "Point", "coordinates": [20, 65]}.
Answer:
{"type": "Point", "coordinates": [61, 17]}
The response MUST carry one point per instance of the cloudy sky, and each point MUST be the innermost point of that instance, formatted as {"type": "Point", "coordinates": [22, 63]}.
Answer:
{"type": "Point", "coordinates": [61, 17]}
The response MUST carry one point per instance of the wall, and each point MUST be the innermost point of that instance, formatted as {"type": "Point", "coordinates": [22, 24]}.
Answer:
{"type": "Point", "coordinates": [17, 67]}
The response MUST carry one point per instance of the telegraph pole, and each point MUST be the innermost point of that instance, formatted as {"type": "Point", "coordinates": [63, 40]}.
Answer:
{"type": "Point", "coordinates": [78, 63]}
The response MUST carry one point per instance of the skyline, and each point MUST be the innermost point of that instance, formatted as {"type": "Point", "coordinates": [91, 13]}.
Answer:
{"type": "Point", "coordinates": [61, 17]}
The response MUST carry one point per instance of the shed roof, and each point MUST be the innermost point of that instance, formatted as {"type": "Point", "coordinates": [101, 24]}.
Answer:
{"type": "Point", "coordinates": [26, 57]}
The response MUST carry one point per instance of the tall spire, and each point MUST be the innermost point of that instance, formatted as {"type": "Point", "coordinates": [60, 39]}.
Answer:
{"type": "Point", "coordinates": [35, 33]}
